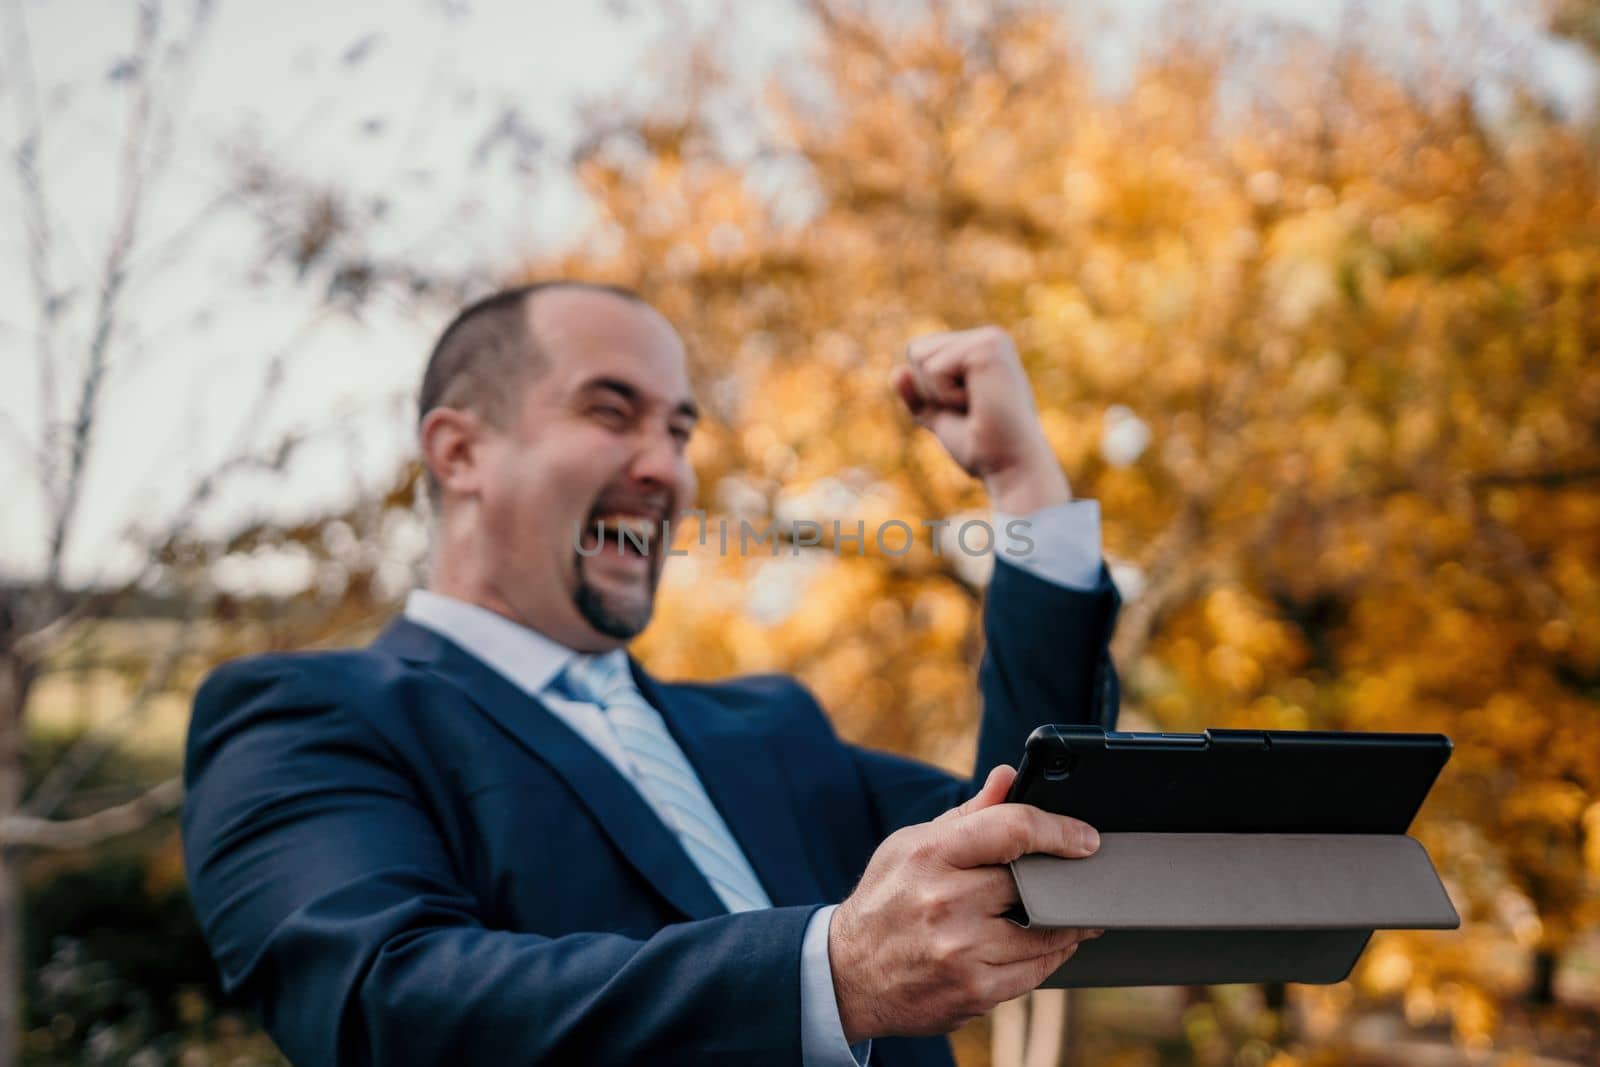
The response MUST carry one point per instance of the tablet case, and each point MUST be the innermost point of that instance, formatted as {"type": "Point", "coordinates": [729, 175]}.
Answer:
{"type": "Point", "coordinates": [1205, 908]}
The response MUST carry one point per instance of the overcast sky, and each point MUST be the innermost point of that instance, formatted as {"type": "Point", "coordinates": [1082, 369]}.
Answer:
{"type": "Point", "coordinates": [396, 98]}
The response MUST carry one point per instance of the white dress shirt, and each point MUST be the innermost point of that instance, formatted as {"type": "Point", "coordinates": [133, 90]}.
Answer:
{"type": "Point", "coordinates": [1065, 551]}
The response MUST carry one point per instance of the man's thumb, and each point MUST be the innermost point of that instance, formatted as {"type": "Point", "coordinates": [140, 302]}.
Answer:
{"type": "Point", "coordinates": [994, 791]}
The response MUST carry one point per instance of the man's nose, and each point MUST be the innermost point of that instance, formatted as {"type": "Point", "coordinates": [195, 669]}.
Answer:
{"type": "Point", "coordinates": [656, 459]}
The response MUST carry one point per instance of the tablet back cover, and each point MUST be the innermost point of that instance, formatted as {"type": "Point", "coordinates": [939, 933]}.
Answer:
{"type": "Point", "coordinates": [1233, 856]}
{"type": "Point", "coordinates": [1211, 957]}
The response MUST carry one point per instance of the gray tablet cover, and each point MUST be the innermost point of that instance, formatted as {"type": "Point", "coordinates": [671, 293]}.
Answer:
{"type": "Point", "coordinates": [1201, 909]}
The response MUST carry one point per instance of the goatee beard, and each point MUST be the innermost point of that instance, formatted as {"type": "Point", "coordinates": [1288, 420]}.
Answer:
{"type": "Point", "coordinates": [607, 619]}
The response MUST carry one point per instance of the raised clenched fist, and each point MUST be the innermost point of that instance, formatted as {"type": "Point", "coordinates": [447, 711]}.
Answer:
{"type": "Point", "coordinates": [968, 387]}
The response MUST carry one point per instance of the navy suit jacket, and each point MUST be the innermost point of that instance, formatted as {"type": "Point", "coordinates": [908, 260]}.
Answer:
{"type": "Point", "coordinates": [398, 857]}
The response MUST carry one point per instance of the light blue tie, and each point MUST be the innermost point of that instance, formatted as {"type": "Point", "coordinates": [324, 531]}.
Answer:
{"type": "Point", "coordinates": [664, 776]}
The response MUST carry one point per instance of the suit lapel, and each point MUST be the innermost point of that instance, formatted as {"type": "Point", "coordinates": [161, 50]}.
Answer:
{"type": "Point", "coordinates": [740, 773]}
{"type": "Point", "coordinates": [632, 825]}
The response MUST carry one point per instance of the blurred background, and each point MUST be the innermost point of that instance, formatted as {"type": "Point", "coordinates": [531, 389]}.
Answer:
{"type": "Point", "coordinates": [1309, 294]}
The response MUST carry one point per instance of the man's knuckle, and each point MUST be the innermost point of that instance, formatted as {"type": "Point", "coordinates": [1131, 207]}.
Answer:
{"type": "Point", "coordinates": [969, 833]}
{"type": "Point", "coordinates": [905, 842]}
{"type": "Point", "coordinates": [953, 1009]}
{"type": "Point", "coordinates": [924, 848]}
{"type": "Point", "coordinates": [997, 989]}
{"type": "Point", "coordinates": [1001, 884]}
{"type": "Point", "coordinates": [1042, 968]}
{"type": "Point", "coordinates": [946, 950]}
{"type": "Point", "coordinates": [1017, 832]}
{"type": "Point", "coordinates": [973, 1007]}
{"type": "Point", "coordinates": [996, 341]}
{"type": "Point", "coordinates": [929, 901]}
{"type": "Point", "coordinates": [974, 994]}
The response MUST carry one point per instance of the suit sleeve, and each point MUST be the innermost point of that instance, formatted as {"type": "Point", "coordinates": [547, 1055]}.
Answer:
{"type": "Point", "coordinates": [1046, 660]}
{"type": "Point", "coordinates": [333, 908]}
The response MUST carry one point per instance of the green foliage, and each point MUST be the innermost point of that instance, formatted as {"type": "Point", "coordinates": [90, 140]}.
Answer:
{"type": "Point", "coordinates": [117, 971]}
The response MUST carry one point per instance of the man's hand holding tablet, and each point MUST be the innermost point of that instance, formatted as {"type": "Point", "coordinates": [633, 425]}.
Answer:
{"type": "Point", "coordinates": [923, 945]}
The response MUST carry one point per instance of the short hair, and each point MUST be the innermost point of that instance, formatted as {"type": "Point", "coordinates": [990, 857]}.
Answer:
{"type": "Point", "coordinates": [487, 354]}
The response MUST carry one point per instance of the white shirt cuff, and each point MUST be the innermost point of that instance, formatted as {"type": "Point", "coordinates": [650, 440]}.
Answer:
{"type": "Point", "coordinates": [822, 1042]}
{"type": "Point", "coordinates": [1060, 544]}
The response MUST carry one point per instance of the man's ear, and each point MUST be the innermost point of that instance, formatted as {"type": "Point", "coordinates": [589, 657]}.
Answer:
{"type": "Point", "coordinates": [452, 447]}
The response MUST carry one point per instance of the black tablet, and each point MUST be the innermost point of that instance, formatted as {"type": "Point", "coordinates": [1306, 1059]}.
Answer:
{"type": "Point", "coordinates": [1151, 787]}
{"type": "Point", "coordinates": [1231, 781]}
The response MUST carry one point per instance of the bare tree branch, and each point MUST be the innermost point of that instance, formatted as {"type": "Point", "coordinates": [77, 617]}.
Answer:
{"type": "Point", "coordinates": [274, 461]}
{"type": "Point", "coordinates": [1172, 577]}
{"type": "Point", "coordinates": [36, 220]}
{"type": "Point", "coordinates": [238, 456]}
{"type": "Point", "coordinates": [27, 831]}
{"type": "Point", "coordinates": [1545, 479]}
{"type": "Point", "coordinates": [89, 750]}
{"type": "Point", "coordinates": [70, 609]}
{"type": "Point", "coordinates": [130, 210]}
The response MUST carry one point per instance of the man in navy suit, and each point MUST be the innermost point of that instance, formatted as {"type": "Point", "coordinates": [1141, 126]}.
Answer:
{"type": "Point", "coordinates": [492, 838]}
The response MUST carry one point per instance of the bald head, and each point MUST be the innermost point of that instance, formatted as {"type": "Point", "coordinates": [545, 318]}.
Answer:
{"type": "Point", "coordinates": [491, 350]}
{"type": "Point", "coordinates": [555, 418]}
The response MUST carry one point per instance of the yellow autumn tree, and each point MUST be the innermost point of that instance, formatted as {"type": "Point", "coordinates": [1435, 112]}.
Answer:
{"type": "Point", "coordinates": [1319, 332]}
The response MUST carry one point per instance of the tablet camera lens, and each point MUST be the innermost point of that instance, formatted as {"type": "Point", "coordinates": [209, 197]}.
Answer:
{"type": "Point", "coordinates": [1057, 768]}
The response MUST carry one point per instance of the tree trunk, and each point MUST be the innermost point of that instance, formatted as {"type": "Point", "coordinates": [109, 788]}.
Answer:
{"type": "Point", "coordinates": [1031, 1031]}
{"type": "Point", "coordinates": [1275, 995]}
{"type": "Point", "coordinates": [15, 675]}
{"type": "Point", "coordinates": [1542, 986]}
{"type": "Point", "coordinates": [10, 957]}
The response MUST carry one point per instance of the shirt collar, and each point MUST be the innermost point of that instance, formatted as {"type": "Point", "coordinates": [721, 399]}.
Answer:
{"type": "Point", "coordinates": [526, 657]}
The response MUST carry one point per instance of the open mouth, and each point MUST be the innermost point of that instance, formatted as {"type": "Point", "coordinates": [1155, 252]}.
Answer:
{"type": "Point", "coordinates": [623, 535]}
